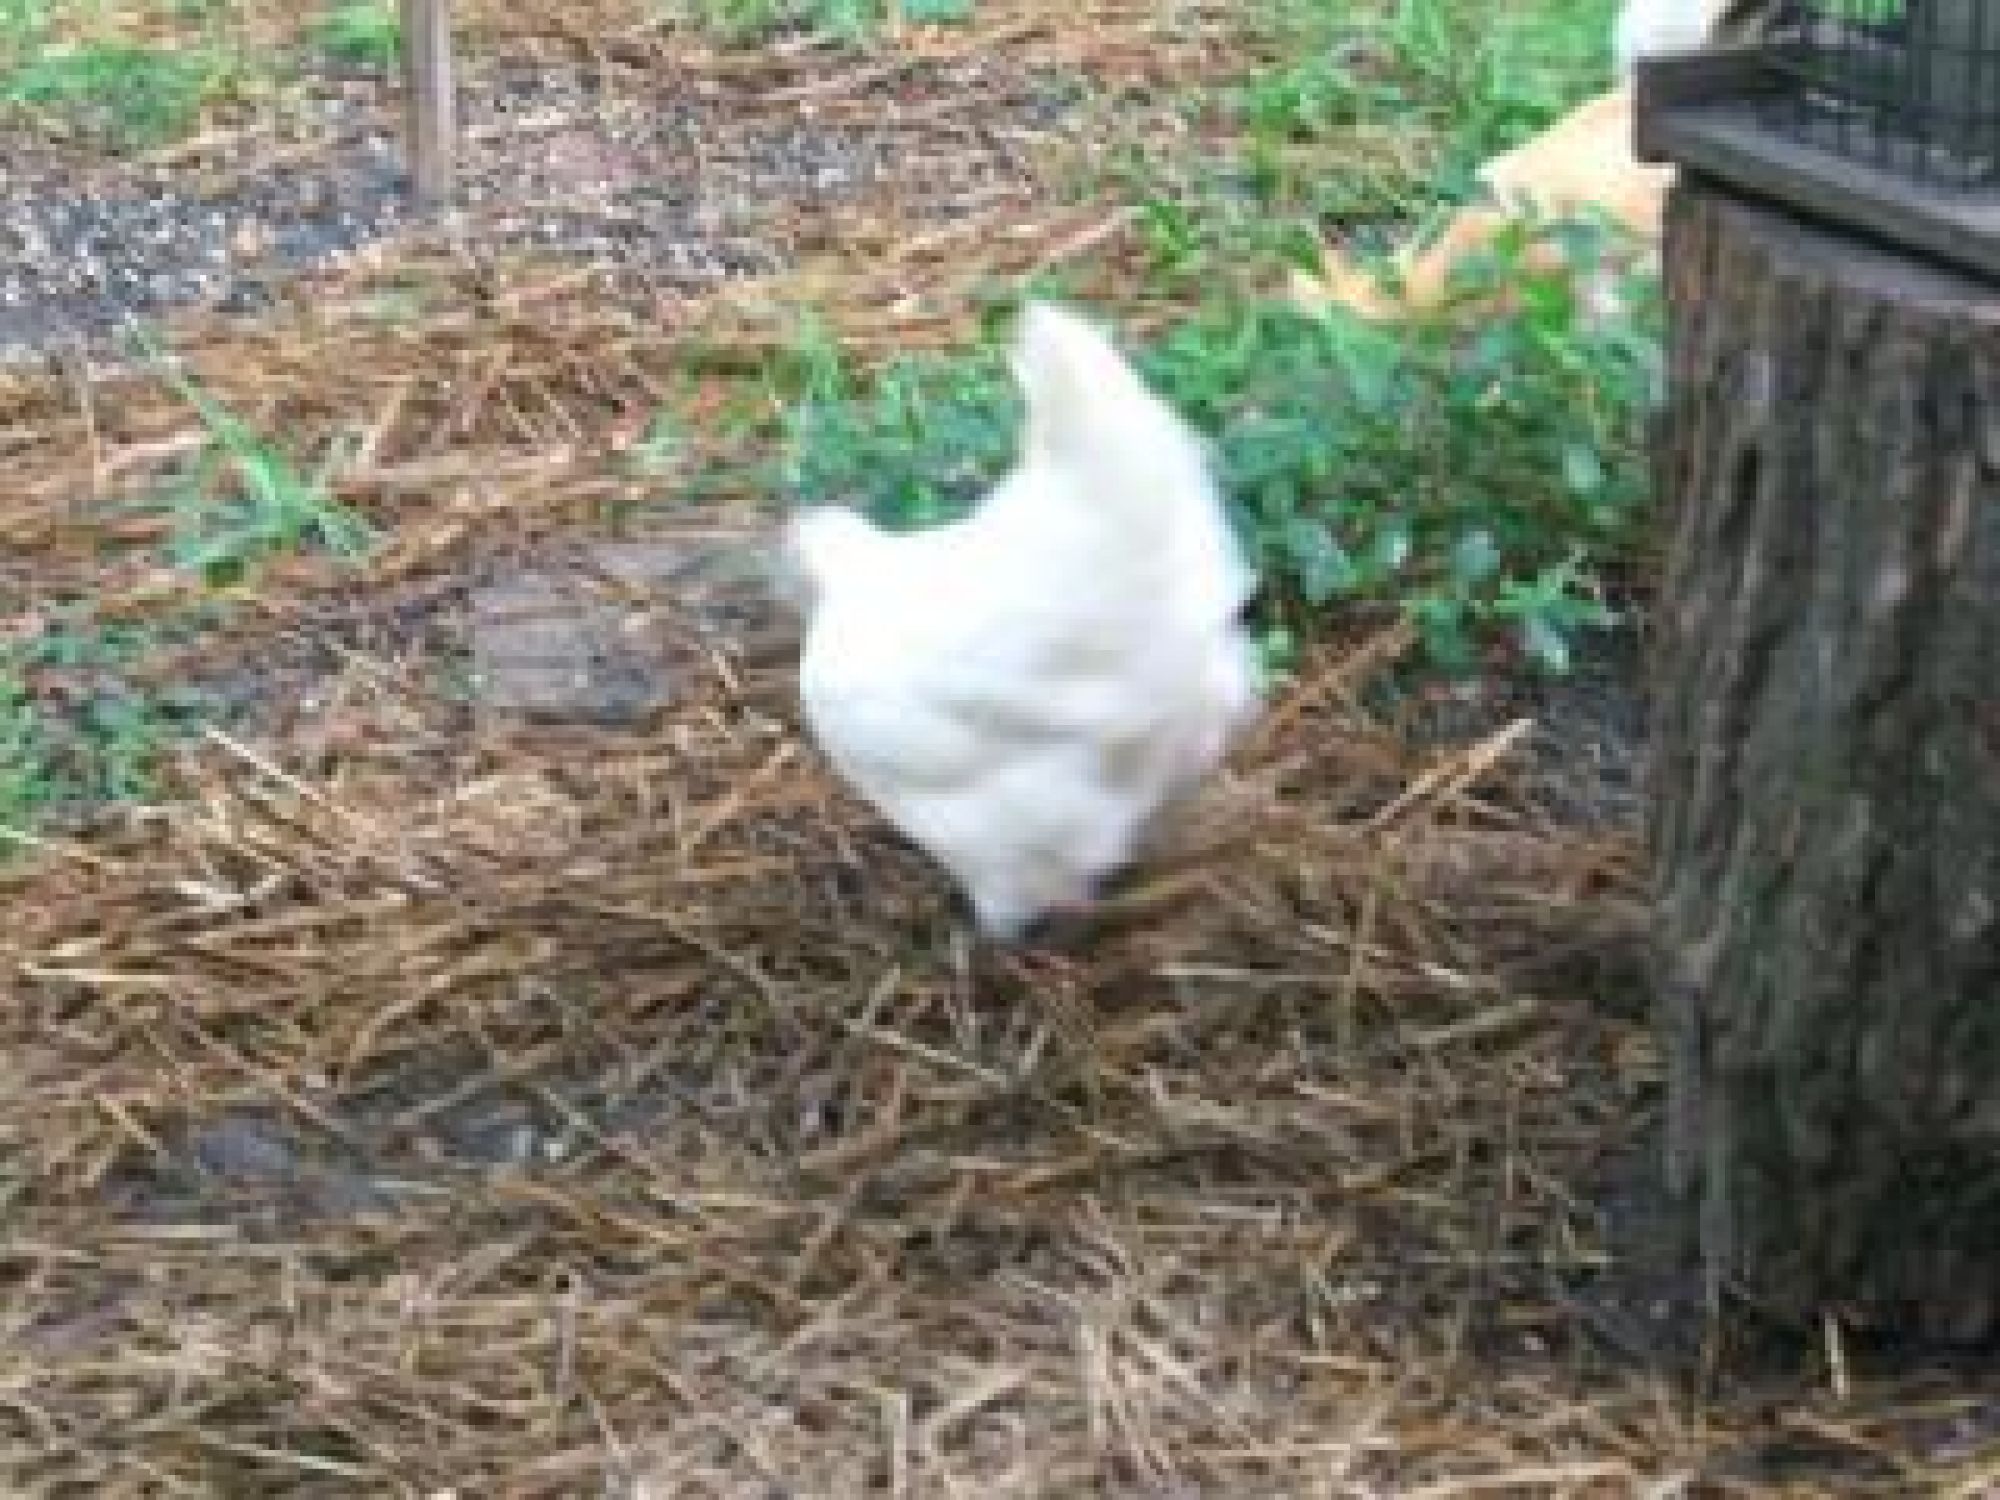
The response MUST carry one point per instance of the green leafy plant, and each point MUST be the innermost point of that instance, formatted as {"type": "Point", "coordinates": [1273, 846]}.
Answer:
{"type": "Point", "coordinates": [1478, 471]}
{"type": "Point", "coordinates": [1482, 471]}
{"type": "Point", "coordinates": [1364, 116]}
{"type": "Point", "coordinates": [1328, 90]}
{"type": "Point", "coordinates": [1485, 77]}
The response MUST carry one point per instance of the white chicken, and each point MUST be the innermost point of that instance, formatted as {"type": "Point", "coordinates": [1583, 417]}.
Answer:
{"type": "Point", "coordinates": [1022, 691]}
{"type": "Point", "coordinates": [1661, 28]}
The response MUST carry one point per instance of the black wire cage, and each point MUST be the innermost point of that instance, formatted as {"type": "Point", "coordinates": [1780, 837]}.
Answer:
{"type": "Point", "coordinates": [1909, 86]}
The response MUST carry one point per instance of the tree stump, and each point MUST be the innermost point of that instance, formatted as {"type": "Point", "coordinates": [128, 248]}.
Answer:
{"type": "Point", "coordinates": [1826, 812]}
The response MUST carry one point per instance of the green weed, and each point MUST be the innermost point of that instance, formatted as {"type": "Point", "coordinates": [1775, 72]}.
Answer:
{"type": "Point", "coordinates": [26, 782]}
{"type": "Point", "coordinates": [1357, 116]}
{"type": "Point", "coordinates": [246, 499]}
{"type": "Point", "coordinates": [850, 21]}
{"type": "Point", "coordinates": [910, 445]}
{"type": "Point", "coordinates": [363, 33]}
{"type": "Point", "coordinates": [1471, 78]}
{"type": "Point", "coordinates": [92, 69]}
{"type": "Point", "coordinates": [24, 27]}
{"type": "Point", "coordinates": [79, 725]}
{"type": "Point", "coordinates": [82, 723]}
{"type": "Point", "coordinates": [127, 94]}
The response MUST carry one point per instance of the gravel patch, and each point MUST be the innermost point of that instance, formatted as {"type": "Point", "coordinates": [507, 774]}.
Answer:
{"type": "Point", "coordinates": [686, 182]}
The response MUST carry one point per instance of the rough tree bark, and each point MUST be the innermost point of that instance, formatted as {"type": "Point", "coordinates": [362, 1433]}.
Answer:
{"type": "Point", "coordinates": [1826, 813]}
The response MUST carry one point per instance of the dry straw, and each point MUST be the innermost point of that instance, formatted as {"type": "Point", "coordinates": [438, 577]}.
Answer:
{"type": "Point", "coordinates": [414, 1105]}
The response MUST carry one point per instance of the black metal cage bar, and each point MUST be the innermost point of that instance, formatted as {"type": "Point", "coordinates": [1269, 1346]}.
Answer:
{"type": "Point", "coordinates": [1912, 86]}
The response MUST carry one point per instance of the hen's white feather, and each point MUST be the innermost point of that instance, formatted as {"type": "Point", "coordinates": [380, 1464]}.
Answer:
{"type": "Point", "coordinates": [1660, 28]}
{"type": "Point", "coordinates": [1021, 691]}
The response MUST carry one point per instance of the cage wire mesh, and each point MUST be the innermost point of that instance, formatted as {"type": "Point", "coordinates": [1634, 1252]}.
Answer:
{"type": "Point", "coordinates": [1911, 86]}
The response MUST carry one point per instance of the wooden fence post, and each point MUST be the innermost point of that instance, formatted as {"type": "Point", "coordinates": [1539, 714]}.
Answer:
{"type": "Point", "coordinates": [431, 99]}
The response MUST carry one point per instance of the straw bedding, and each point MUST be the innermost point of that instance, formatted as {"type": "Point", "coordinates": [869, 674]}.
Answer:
{"type": "Point", "coordinates": [413, 1103]}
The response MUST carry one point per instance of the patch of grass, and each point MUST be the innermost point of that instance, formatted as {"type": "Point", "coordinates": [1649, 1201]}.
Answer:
{"type": "Point", "coordinates": [82, 723]}
{"type": "Point", "coordinates": [910, 444]}
{"type": "Point", "coordinates": [1361, 117]}
{"type": "Point", "coordinates": [24, 25]}
{"type": "Point", "coordinates": [1469, 79]}
{"type": "Point", "coordinates": [25, 780]}
{"type": "Point", "coordinates": [79, 725]}
{"type": "Point", "coordinates": [100, 73]}
{"type": "Point", "coordinates": [851, 21]}
{"type": "Point", "coordinates": [127, 94]}
{"type": "Point", "coordinates": [246, 499]}
{"type": "Point", "coordinates": [362, 33]}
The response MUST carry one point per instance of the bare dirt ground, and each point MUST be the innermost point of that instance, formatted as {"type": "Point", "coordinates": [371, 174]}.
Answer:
{"type": "Point", "coordinates": [662, 181]}
{"type": "Point", "coordinates": [421, 1103]}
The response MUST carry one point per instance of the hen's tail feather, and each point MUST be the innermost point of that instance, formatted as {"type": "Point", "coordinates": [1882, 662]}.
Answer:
{"type": "Point", "coordinates": [1090, 413]}
{"type": "Point", "coordinates": [1133, 465]}
{"type": "Point", "coordinates": [1084, 400]}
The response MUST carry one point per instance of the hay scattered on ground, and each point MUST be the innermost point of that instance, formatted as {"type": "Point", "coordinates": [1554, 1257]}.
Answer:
{"type": "Point", "coordinates": [531, 1113]}
{"type": "Point", "coordinates": [412, 1104]}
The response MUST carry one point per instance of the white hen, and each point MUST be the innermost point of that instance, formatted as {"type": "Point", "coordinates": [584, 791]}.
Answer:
{"type": "Point", "coordinates": [1020, 692]}
{"type": "Point", "coordinates": [1661, 28]}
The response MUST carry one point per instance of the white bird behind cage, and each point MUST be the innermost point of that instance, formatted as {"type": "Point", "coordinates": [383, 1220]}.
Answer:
{"type": "Point", "coordinates": [1661, 28]}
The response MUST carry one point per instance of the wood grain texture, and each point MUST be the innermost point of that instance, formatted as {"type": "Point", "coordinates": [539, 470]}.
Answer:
{"type": "Point", "coordinates": [1826, 814]}
{"type": "Point", "coordinates": [432, 99]}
